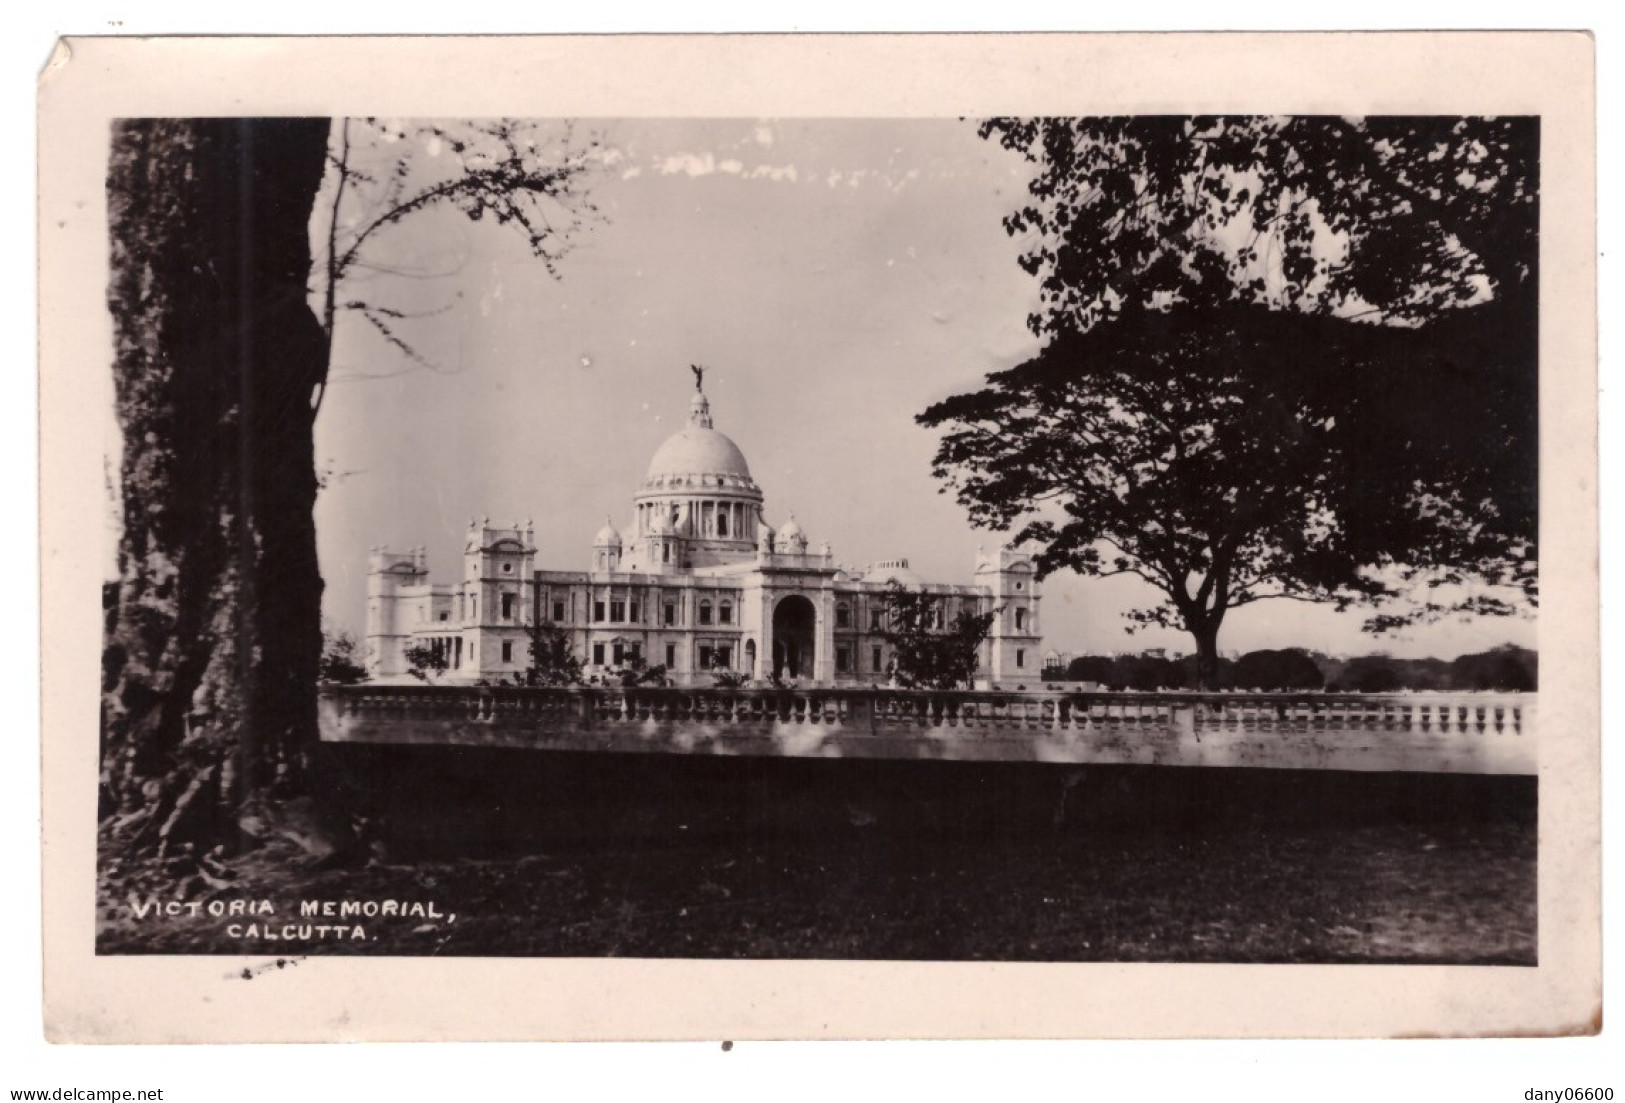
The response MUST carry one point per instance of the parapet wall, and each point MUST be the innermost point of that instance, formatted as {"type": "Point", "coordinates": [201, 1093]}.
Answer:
{"type": "Point", "coordinates": [1436, 733]}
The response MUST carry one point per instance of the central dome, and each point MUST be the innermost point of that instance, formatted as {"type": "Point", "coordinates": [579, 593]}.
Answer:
{"type": "Point", "coordinates": [698, 450]}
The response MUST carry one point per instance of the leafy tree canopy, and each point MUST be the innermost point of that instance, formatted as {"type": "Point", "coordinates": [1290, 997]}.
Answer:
{"type": "Point", "coordinates": [1232, 433]}
{"type": "Point", "coordinates": [1400, 216]}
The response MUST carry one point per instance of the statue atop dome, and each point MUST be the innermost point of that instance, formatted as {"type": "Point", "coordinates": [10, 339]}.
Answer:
{"type": "Point", "coordinates": [699, 410]}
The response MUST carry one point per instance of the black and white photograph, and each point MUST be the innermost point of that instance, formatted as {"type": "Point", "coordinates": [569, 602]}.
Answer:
{"type": "Point", "coordinates": [1055, 538]}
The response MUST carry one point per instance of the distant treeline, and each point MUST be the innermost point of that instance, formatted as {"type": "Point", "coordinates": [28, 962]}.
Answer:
{"type": "Point", "coordinates": [1502, 668]}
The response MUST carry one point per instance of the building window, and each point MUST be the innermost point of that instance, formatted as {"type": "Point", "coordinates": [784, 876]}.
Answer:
{"type": "Point", "coordinates": [724, 655]}
{"type": "Point", "coordinates": [507, 568]}
{"type": "Point", "coordinates": [507, 606]}
{"type": "Point", "coordinates": [671, 612]}
{"type": "Point", "coordinates": [620, 654]}
{"type": "Point", "coordinates": [705, 612]}
{"type": "Point", "coordinates": [1021, 657]}
{"type": "Point", "coordinates": [705, 656]}
{"type": "Point", "coordinates": [597, 654]}
{"type": "Point", "coordinates": [558, 611]}
{"type": "Point", "coordinates": [843, 660]}
{"type": "Point", "coordinates": [843, 616]}
{"type": "Point", "coordinates": [722, 522]}
{"type": "Point", "coordinates": [1021, 619]}
{"type": "Point", "coordinates": [635, 618]}
{"type": "Point", "coordinates": [473, 608]}
{"type": "Point", "coordinates": [598, 611]}
{"type": "Point", "coordinates": [725, 613]}
{"type": "Point", "coordinates": [671, 656]}
{"type": "Point", "coordinates": [507, 651]}
{"type": "Point", "coordinates": [874, 619]}
{"type": "Point", "coordinates": [665, 553]}
{"type": "Point", "coordinates": [875, 663]}
{"type": "Point", "coordinates": [617, 610]}
{"type": "Point", "coordinates": [445, 616]}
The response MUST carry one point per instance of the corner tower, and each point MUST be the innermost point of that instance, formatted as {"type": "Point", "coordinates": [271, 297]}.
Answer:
{"type": "Point", "coordinates": [1011, 580]}
{"type": "Point", "coordinates": [392, 577]}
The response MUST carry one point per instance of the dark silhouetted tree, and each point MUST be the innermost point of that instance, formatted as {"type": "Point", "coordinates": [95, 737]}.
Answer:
{"type": "Point", "coordinates": [1372, 674]}
{"type": "Point", "coordinates": [1506, 668]}
{"type": "Point", "coordinates": [1209, 415]}
{"type": "Point", "coordinates": [220, 363]}
{"type": "Point", "coordinates": [1271, 670]}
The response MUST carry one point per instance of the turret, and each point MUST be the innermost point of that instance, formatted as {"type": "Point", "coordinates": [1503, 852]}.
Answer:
{"type": "Point", "coordinates": [606, 548]}
{"type": "Point", "coordinates": [791, 539]}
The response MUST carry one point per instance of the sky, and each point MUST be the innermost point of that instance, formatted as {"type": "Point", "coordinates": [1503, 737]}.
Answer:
{"type": "Point", "coordinates": [835, 277]}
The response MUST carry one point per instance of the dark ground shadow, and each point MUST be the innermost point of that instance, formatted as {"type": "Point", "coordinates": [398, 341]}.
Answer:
{"type": "Point", "coordinates": [589, 855]}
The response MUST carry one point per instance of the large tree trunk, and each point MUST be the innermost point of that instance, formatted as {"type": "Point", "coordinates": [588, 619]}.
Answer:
{"type": "Point", "coordinates": [1207, 655]}
{"type": "Point", "coordinates": [214, 640]}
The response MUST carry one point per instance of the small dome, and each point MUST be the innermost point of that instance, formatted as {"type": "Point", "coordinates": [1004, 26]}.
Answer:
{"type": "Point", "coordinates": [607, 536]}
{"type": "Point", "coordinates": [791, 531]}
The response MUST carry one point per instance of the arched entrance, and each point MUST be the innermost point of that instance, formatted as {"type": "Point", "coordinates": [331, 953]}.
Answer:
{"type": "Point", "coordinates": [794, 630]}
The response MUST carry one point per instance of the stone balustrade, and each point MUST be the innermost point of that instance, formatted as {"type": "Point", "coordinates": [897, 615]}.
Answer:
{"type": "Point", "coordinates": [1451, 733]}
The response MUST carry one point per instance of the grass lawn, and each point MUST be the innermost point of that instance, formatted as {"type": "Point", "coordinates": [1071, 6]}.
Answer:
{"type": "Point", "coordinates": [1247, 891]}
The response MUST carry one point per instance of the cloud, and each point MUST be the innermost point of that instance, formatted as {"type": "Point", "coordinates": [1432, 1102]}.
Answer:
{"type": "Point", "coordinates": [692, 164]}
{"type": "Point", "coordinates": [706, 164]}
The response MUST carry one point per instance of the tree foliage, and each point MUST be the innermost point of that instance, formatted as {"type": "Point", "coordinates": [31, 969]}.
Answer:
{"type": "Point", "coordinates": [425, 662]}
{"type": "Point", "coordinates": [930, 652]}
{"type": "Point", "coordinates": [1505, 668]}
{"type": "Point", "coordinates": [1146, 672]}
{"type": "Point", "coordinates": [1216, 409]}
{"type": "Point", "coordinates": [339, 665]}
{"type": "Point", "coordinates": [1287, 669]}
{"type": "Point", "coordinates": [553, 662]}
{"type": "Point", "coordinates": [1402, 217]}
{"type": "Point", "coordinates": [524, 176]}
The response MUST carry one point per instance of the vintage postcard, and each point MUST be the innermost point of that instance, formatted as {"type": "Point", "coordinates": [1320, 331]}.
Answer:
{"type": "Point", "coordinates": [796, 537]}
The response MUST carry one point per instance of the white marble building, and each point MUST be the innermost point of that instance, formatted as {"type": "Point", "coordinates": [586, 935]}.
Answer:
{"type": "Point", "coordinates": [698, 582]}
